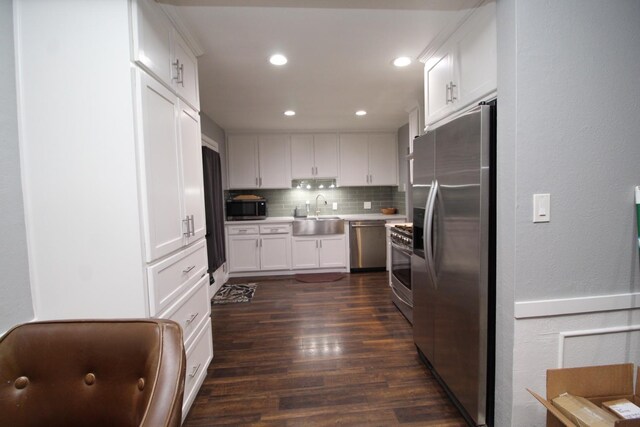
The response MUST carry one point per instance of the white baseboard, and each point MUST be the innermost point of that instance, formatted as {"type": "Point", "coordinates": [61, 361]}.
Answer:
{"type": "Point", "coordinates": [566, 306]}
{"type": "Point", "coordinates": [287, 272]}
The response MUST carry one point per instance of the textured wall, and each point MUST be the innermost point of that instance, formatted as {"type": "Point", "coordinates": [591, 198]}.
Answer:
{"type": "Point", "coordinates": [15, 292]}
{"type": "Point", "coordinates": [215, 132]}
{"type": "Point", "coordinates": [567, 125]}
{"type": "Point", "coordinates": [350, 199]}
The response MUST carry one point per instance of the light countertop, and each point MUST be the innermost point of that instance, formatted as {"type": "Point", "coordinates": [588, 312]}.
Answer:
{"type": "Point", "coordinates": [347, 217]}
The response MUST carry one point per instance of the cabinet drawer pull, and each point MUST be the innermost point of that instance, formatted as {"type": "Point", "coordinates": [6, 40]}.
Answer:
{"type": "Point", "coordinates": [194, 370]}
{"type": "Point", "coordinates": [177, 65]}
{"type": "Point", "coordinates": [186, 222]}
{"type": "Point", "coordinates": [191, 319]}
{"type": "Point", "coordinates": [452, 86]}
{"type": "Point", "coordinates": [188, 269]}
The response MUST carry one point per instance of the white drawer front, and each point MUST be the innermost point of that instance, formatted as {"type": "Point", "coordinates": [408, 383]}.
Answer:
{"type": "Point", "coordinates": [191, 310]}
{"type": "Point", "coordinates": [173, 276]}
{"type": "Point", "coordinates": [275, 229]}
{"type": "Point", "coordinates": [199, 355]}
{"type": "Point", "coordinates": [242, 229]}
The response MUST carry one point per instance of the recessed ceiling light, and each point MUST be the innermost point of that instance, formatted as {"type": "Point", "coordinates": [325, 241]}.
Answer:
{"type": "Point", "coordinates": [402, 61]}
{"type": "Point", "coordinates": [278, 59]}
{"type": "Point", "coordinates": [361, 113]}
{"type": "Point", "coordinates": [289, 113]}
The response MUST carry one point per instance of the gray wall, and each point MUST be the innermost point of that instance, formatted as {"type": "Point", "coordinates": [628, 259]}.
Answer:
{"type": "Point", "coordinates": [215, 132]}
{"type": "Point", "coordinates": [15, 292]}
{"type": "Point", "coordinates": [403, 150]}
{"type": "Point", "coordinates": [568, 125]}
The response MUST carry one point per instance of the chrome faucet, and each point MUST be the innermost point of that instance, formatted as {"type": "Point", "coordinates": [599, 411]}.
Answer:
{"type": "Point", "coordinates": [325, 202]}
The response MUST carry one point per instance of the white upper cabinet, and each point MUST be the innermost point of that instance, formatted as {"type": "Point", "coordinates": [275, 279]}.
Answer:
{"type": "Point", "coordinates": [186, 72]}
{"type": "Point", "coordinates": [274, 161]}
{"type": "Point", "coordinates": [152, 35]}
{"type": "Point", "coordinates": [170, 139]}
{"type": "Point", "coordinates": [192, 172]}
{"type": "Point", "coordinates": [464, 69]}
{"type": "Point", "coordinates": [354, 161]}
{"type": "Point", "coordinates": [314, 156]}
{"type": "Point", "coordinates": [160, 49]}
{"type": "Point", "coordinates": [258, 161]}
{"type": "Point", "coordinates": [368, 159]}
{"type": "Point", "coordinates": [383, 159]}
{"type": "Point", "coordinates": [162, 177]}
{"type": "Point", "coordinates": [242, 155]}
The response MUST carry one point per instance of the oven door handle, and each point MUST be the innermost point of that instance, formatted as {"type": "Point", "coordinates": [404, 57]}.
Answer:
{"type": "Point", "coordinates": [400, 298]}
{"type": "Point", "coordinates": [401, 249]}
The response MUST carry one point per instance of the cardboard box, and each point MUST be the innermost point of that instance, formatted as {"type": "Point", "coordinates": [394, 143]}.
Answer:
{"type": "Point", "coordinates": [582, 412]}
{"type": "Point", "coordinates": [596, 383]}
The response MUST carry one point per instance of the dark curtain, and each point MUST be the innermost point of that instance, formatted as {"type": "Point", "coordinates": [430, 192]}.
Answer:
{"type": "Point", "coordinates": [213, 208]}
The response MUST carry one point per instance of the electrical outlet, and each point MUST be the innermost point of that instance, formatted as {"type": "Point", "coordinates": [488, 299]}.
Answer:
{"type": "Point", "coordinates": [335, 206]}
{"type": "Point", "coordinates": [367, 205]}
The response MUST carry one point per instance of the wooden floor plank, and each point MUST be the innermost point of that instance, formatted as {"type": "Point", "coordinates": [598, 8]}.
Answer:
{"type": "Point", "coordinates": [317, 354]}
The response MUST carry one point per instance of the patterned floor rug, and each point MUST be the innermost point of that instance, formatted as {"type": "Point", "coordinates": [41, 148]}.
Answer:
{"type": "Point", "coordinates": [234, 292]}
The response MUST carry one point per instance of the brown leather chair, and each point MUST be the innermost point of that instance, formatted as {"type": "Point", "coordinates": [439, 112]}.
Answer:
{"type": "Point", "coordinates": [92, 373]}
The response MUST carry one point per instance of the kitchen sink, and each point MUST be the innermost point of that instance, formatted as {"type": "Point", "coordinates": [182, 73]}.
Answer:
{"type": "Point", "coordinates": [313, 226]}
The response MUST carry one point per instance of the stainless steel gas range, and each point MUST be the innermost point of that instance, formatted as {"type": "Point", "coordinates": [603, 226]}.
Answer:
{"type": "Point", "coordinates": [401, 237]}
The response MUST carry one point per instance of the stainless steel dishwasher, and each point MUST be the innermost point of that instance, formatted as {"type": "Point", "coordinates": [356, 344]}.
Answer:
{"type": "Point", "coordinates": [368, 247]}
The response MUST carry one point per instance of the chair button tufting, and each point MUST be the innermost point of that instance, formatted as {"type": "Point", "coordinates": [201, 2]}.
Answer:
{"type": "Point", "coordinates": [21, 382]}
{"type": "Point", "coordinates": [141, 384]}
{"type": "Point", "coordinates": [89, 379]}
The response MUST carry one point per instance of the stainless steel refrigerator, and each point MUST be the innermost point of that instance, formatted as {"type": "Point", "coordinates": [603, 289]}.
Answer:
{"type": "Point", "coordinates": [453, 260]}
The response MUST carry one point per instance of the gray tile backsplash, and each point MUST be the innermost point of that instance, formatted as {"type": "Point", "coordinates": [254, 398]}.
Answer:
{"type": "Point", "coordinates": [350, 200]}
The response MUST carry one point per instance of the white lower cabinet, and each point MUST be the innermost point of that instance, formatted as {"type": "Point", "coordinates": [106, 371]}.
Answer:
{"type": "Point", "coordinates": [319, 252]}
{"type": "Point", "coordinates": [253, 248]}
{"type": "Point", "coordinates": [199, 355]}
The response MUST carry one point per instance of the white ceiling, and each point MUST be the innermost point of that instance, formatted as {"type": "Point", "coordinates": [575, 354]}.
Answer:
{"type": "Point", "coordinates": [339, 52]}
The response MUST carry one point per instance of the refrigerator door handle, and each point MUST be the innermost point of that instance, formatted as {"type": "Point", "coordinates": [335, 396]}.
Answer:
{"type": "Point", "coordinates": [428, 227]}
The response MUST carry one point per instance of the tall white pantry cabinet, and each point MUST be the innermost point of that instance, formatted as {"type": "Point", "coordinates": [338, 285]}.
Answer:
{"type": "Point", "coordinates": [111, 167]}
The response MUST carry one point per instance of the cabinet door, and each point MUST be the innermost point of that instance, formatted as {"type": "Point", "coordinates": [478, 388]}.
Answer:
{"type": "Point", "coordinates": [476, 56]}
{"type": "Point", "coordinates": [302, 162]}
{"type": "Point", "coordinates": [275, 163]}
{"type": "Point", "coordinates": [187, 77]}
{"type": "Point", "coordinates": [152, 34]}
{"type": "Point", "coordinates": [275, 252]}
{"type": "Point", "coordinates": [383, 163]}
{"type": "Point", "coordinates": [437, 76]}
{"type": "Point", "coordinates": [333, 251]}
{"type": "Point", "coordinates": [242, 155]}
{"type": "Point", "coordinates": [244, 253]}
{"type": "Point", "coordinates": [304, 252]}
{"type": "Point", "coordinates": [326, 155]}
{"type": "Point", "coordinates": [163, 209]}
{"type": "Point", "coordinates": [192, 171]}
{"type": "Point", "coordinates": [354, 168]}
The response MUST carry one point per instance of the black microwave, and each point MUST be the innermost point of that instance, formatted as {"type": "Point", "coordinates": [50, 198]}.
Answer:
{"type": "Point", "coordinates": [238, 210]}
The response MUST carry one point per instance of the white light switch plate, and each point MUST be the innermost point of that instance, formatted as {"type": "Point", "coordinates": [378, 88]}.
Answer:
{"type": "Point", "coordinates": [335, 206]}
{"type": "Point", "coordinates": [541, 207]}
{"type": "Point", "coordinates": [367, 205]}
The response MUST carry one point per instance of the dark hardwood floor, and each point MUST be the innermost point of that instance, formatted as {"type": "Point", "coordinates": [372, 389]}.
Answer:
{"type": "Point", "coordinates": [317, 354]}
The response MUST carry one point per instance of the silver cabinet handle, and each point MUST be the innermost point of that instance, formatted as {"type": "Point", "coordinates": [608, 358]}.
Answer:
{"type": "Point", "coordinates": [194, 370]}
{"type": "Point", "coordinates": [193, 226]}
{"type": "Point", "coordinates": [188, 269]}
{"type": "Point", "coordinates": [260, 242]}
{"type": "Point", "coordinates": [257, 243]}
{"type": "Point", "coordinates": [191, 319]}
{"type": "Point", "coordinates": [186, 222]}
{"type": "Point", "coordinates": [242, 230]}
{"type": "Point", "coordinates": [370, 179]}
{"type": "Point", "coordinates": [181, 81]}
{"type": "Point", "coordinates": [177, 65]}
{"type": "Point", "coordinates": [452, 86]}
{"type": "Point", "coordinates": [260, 181]}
